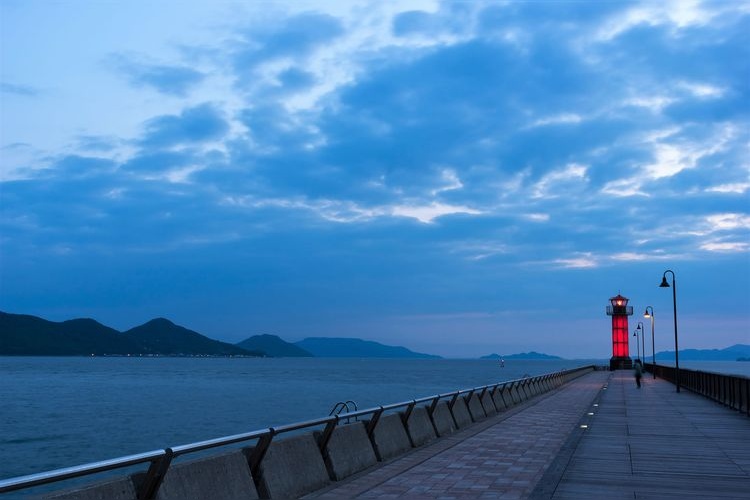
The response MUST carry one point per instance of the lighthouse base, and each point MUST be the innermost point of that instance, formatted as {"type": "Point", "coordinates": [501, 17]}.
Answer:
{"type": "Point", "coordinates": [620, 363]}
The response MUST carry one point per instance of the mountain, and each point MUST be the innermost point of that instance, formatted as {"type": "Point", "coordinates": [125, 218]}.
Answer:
{"type": "Point", "coordinates": [523, 355]}
{"type": "Point", "coordinates": [161, 336]}
{"type": "Point", "coordinates": [25, 335]}
{"type": "Point", "coordinates": [326, 347]}
{"type": "Point", "coordinates": [273, 346]}
{"type": "Point", "coordinates": [731, 353]}
{"type": "Point", "coordinates": [22, 334]}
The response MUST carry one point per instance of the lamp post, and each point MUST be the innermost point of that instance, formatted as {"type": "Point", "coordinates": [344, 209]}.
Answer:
{"type": "Point", "coordinates": [653, 352]}
{"type": "Point", "coordinates": [637, 346]}
{"type": "Point", "coordinates": [643, 339]}
{"type": "Point", "coordinates": [665, 284]}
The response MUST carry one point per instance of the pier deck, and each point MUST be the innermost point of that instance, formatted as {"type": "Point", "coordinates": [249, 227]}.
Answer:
{"type": "Point", "coordinates": [639, 443]}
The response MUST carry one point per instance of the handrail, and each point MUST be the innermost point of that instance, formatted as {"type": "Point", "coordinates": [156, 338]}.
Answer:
{"type": "Point", "coordinates": [730, 390]}
{"type": "Point", "coordinates": [17, 483]}
{"type": "Point", "coordinates": [214, 443]}
{"type": "Point", "coordinates": [160, 460]}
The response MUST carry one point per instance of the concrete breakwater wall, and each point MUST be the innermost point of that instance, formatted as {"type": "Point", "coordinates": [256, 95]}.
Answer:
{"type": "Point", "coordinates": [297, 459]}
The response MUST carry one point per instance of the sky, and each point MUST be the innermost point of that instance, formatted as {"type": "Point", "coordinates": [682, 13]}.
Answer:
{"type": "Point", "coordinates": [460, 178]}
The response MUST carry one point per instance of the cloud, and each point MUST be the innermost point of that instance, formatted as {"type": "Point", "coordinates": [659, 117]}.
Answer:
{"type": "Point", "coordinates": [560, 181]}
{"type": "Point", "coordinates": [98, 143]}
{"type": "Point", "coordinates": [703, 90]}
{"type": "Point", "coordinates": [674, 153]}
{"type": "Point", "coordinates": [451, 180]}
{"type": "Point", "coordinates": [415, 22]}
{"type": "Point", "coordinates": [196, 124]}
{"type": "Point", "coordinates": [675, 14]}
{"type": "Point", "coordinates": [584, 261]}
{"type": "Point", "coordinates": [537, 217]}
{"type": "Point", "coordinates": [296, 36]}
{"type": "Point", "coordinates": [19, 90]}
{"type": "Point", "coordinates": [736, 188]}
{"type": "Point", "coordinates": [156, 163]}
{"type": "Point", "coordinates": [428, 213]}
{"type": "Point", "coordinates": [640, 257]}
{"type": "Point", "coordinates": [728, 221]}
{"type": "Point", "coordinates": [561, 119]}
{"type": "Point", "coordinates": [336, 159]}
{"type": "Point", "coordinates": [173, 80]}
{"type": "Point", "coordinates": [273, 130]}
{"type": "Point", "coordinates": [293, 79]}
{"type": "Point", "coordinates": [342, 211]}
{"type": "Point", "coordinates": [729, 247]}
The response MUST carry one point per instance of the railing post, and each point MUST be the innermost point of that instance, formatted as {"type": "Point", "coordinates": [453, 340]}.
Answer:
{"type": "Point", "coordinates": [149, 487]}
{"type": "Point", "coordinates": [453, 400]}
{"type": "Point", "coordinates": [325, 437]}
{"type": "Point", "coordinates": [434, 404]}
{"type": "Point", "coordinates": [261, 447]}
{"type": "Point", "coordinates": [467, 398]}
{"type": "Point", "coordinates": [373, 422]}
{"type": "Point", "coordinates": [726, 391]}
{"type": "Point", "coordinates": [407, 413]}
{"type": "Point", "coordinates": [492, 398]}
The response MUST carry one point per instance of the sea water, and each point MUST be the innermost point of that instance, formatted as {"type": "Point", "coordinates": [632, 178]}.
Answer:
{"type": "Point", "coordinates": [64, 411]}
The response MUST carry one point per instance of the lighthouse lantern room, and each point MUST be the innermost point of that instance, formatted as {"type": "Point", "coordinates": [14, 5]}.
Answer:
{"type": "Point", "coordinates": [619, 310]}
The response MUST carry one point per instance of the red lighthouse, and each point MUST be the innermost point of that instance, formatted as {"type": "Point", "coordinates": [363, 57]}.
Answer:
{"type": "Point", "coordinates": [619, 310]}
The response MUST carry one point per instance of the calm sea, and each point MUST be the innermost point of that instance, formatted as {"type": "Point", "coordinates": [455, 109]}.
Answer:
{"type": "Point", "coordinates": [59, 412]}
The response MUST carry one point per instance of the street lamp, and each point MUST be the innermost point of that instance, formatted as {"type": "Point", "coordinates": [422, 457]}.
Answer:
{"type": "Point", "coordinates": [665, 284]}
{"type": "Point", "coordinates": [637, 345]}
{"type": "Point", "coordinates": [643, 339]}
{"type": "Point", "coordinates": [653, 352]}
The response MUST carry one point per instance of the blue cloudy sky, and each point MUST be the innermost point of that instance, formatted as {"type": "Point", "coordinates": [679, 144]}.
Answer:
{"type": "Point", "coordinates": [456, 177]}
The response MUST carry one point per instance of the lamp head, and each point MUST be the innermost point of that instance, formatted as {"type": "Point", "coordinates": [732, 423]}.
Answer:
{"type": "Point", "coordinates": [646, 314]}
{"type": "Point", "coordinates": [664, 283]}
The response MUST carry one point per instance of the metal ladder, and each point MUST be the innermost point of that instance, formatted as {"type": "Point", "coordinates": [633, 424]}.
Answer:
{"type": "Point", "coordinates": [344, 406]}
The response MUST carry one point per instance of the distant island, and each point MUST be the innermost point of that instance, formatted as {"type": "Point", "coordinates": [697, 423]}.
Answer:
{"type": "Point", "coordinates": [273, 346]}
{"type": "Point", "coordinates": [26, 335]}
{"type": "Point", "coordinates": [356, 348]}
{"type": "Point", "coordinates": [523, 355]}
{"type": "Point", "coordinates": [731, 353]}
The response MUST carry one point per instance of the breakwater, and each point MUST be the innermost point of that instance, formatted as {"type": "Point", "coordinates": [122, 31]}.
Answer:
{"type": "Point", "coordinates": [292, 460]}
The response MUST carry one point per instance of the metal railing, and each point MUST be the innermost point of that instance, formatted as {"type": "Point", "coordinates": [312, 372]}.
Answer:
{"type": "Point", "coordinates": [619, 310]}
{"type": "Point", "coordinates": [160, 460]}
{"type": "Point", "coordinates": [730, 390]}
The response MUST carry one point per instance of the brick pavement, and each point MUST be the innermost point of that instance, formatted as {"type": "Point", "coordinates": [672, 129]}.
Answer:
{"type": "Point", "coordinates": [502, 457]}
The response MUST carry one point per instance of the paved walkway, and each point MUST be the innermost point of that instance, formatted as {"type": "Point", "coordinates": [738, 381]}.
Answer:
{"type": "Point", "coordinates": [653, 443]}
{"type": "Point", "coordinates": [648, 443]}
{"type": "Point", "coordinates": [502, 457]}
